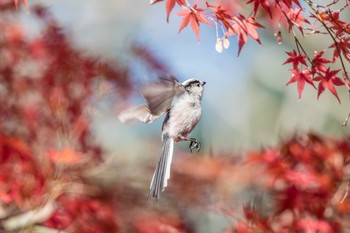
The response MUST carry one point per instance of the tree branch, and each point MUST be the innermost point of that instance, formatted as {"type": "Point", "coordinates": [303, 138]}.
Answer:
{"type": "Point", "coordinates": [330, 33]}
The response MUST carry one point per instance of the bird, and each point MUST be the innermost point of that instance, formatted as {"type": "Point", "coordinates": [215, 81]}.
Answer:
{"type": "Point", "coordinates": [182, 105]}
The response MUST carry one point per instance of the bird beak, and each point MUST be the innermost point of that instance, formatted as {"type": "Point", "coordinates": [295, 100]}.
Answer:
{"type": "Point", "coordinates": [203, 83]}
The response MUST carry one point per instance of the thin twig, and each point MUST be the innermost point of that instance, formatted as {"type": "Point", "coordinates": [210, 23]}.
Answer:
{"type": "Point", "coordinates": [297, 42]}
{"type": "Point", "coordinates": [313, 32]}
{"type": "Point", "coordinates": [345, 6]}
{"type": "Point", "coordinates": [346, 120]}
{"type": "Point", "coordinates": [188, 5]}
{"type": "Point", "coordinates": [330, 32]}
{"type": "Point", "coordinates": [328, 5]}
{"type": "Point", "coordinates": [334, 37]}
{"type": "Point", "coordinates": [335, 22]}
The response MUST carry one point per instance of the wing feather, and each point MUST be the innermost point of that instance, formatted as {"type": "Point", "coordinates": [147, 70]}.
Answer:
{"type": "Point", "coordinates": [140, 112]}
{"type": "Point", "coordinates": [159, 96]}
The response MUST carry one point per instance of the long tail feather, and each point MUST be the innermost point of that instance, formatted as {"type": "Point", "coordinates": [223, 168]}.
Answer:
{"type": "Point", "coordinates": [162, 172]}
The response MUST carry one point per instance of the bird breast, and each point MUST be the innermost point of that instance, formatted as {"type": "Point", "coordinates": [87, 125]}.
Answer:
{"type": "Point", "coordinates": [183, 116]}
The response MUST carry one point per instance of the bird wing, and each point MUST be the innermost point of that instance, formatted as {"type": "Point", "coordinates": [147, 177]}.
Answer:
{"type": "Point", "coordinates": [159, 96]}
{"type": "Point", "coordinates": [140, 112]}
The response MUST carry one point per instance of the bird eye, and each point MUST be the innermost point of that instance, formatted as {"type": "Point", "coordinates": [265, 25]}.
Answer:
{"type": "Point", "coordinates": [198, 85]}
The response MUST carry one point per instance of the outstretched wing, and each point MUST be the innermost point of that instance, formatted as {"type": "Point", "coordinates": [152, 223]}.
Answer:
{"type": "Point", "coordinates": [160, 95]}
{"type": "Point", "coordinates": [140, 112]}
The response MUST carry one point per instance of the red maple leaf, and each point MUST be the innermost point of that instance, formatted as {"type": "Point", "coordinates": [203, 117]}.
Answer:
{"type": "Point", "coordinates": [169, 6]}
{"type": "Point", "coordinates": [192, 15]}
{"type": "Point", "coordinates": [244, 27]}
{"type": "Point", "coordinates": [278, 19]}
{"type": "Point", "coordinates": [333, 17]}
{"type": "Point", "coordinates": [300, 77]}
{"type": "Point", "coordinates": [298, 19]}
{"type": "Point", "coordinates": [295, 58]}
{"type": "Point", "coordinates": [221, 15]}
{"type": "Point", "coordinates": [340, 27]}
{"type": "Point", "coordinates": [319, 61]}
{"type": "Point", "coordinates": [264, 3]}
{"type": "Point", "coordinates": [328, 80]}
{"type": "Point", "coordinates": [342, 46]}
{"type": "Point", "coordinates": [327, 15]}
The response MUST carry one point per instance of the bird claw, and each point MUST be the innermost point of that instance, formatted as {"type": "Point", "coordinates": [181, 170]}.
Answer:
{"type": "Point", "coordinates": [195, 144]}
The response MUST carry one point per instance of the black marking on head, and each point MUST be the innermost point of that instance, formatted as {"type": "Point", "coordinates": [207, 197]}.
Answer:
{"type": "Point", "coordinates": [192, 83]}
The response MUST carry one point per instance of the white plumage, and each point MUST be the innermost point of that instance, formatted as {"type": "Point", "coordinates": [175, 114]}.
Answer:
{"type": "Point", "coordinates": [182, 104]}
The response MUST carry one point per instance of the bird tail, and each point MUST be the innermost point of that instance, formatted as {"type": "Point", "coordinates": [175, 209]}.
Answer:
{"type": "Point", "coordinates": [162, 173]}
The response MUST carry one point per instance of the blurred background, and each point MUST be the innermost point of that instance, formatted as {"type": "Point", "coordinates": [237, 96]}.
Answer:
{"type": "Point", "coordinates": [246, 104]}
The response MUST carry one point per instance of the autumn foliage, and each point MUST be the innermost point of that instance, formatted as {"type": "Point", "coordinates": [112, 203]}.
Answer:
{"type": "Point", "coordinates": [241, 20]}
{"type": "Point", "coordinates": [45, 141]}
{"type": "Point", "coordinates": [50, 158]}
{"type": "Point", "coordinates": [306, 187]}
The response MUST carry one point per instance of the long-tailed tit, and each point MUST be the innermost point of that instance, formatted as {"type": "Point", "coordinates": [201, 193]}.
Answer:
{"type": "Point", "coordinates": [181, 102]}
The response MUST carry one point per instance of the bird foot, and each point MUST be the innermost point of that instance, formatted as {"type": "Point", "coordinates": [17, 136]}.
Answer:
{"type": "Point", "coordinates": [195, 144]}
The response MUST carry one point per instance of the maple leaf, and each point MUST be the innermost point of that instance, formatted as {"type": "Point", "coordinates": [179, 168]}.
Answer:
{"type": "Point", "coordinates": [340, 27]}
{"type": "Point", "coordinates": [343, 47]}
{"type": "Point", "coordinates": [298, 19]}
{"type": "Point", "coordinates": [169, 5]}
{"type": "Point", "coordinates": [244, 27]}
{"type": "Point", "coordinates": [333, 17]}
{"type": "Point", "coordinates": [221, 15]}
{"type": "Point", "coordinates": [193, 16]}
{"type": "Point", "coordinates": [295, 58]}
{"type": "Point", "coordinates": [300, 77]}
{"type": "Point", "coordinates": [328, 81]}
{"type": "Point", "coordinates": [326, 15]}
{"type": "Point", "coordinates": [264, 3]}
{"type": "Point", "coordinates": [319, 61]}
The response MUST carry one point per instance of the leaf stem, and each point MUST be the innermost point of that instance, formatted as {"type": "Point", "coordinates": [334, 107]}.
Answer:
{"type": "Point", "coordinates": [346, 120]}
{"type": "Point", "coordinates": [330, 32]}
{"type": "Point", "coordinates": [297, 41]}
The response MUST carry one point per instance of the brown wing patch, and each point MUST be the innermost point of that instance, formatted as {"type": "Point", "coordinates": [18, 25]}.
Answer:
{"type": "Point", "coordinates": [160, 95]}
